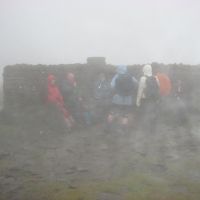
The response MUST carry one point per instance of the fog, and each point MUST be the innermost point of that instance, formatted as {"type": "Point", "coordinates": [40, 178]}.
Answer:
{"type": "Point", "coordinates": [128, 32]}
{"type": "Point", "coordinates": [61, 137]}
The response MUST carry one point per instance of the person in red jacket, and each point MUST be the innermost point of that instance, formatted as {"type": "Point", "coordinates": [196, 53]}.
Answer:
{"type": "Point", "coordinates": [55, 97]}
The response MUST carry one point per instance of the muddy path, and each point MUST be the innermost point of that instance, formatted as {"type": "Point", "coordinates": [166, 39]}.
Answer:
{"type": "Point", "coordinates": [39, 155]}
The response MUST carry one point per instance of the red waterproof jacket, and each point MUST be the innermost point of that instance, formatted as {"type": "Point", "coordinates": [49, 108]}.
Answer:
{"type": "Point", "coordinates": [54, 95]}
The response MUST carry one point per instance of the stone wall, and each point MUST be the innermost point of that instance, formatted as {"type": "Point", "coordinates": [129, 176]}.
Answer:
{"type": "Point", "coordinates": [25, 85]}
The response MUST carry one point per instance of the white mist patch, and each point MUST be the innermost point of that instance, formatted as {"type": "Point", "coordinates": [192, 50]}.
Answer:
{"type": "Point", "coordinates": [1, 88]}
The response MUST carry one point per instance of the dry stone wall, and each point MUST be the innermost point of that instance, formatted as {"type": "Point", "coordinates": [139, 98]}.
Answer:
{"type": "Point", "coordinates": [25, 85]}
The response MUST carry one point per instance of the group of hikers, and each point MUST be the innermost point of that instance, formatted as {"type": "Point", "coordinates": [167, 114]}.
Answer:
{"type": "Point", "coordinates": [122, 100]}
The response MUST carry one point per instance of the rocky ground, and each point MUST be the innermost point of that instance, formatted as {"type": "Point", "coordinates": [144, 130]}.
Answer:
{"type": "Point", "coordinates": [38, 160]}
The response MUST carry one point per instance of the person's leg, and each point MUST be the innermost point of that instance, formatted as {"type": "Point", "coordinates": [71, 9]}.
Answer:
{"type": "Point", "coordinates": [142, 116]}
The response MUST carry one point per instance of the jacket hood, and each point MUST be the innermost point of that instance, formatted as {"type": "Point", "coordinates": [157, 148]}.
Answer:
{"type": "Point", "coordinates": [50, 79]}
{"type": "Point", "coordinates": [147, 70]}
{"type": "Point", "coordinates": [71, 79]}
{"type": "Point", "coordinates": [121, 69]}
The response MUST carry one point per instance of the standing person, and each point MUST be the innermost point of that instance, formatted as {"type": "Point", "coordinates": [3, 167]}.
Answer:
{"type": "Point", "coordinates": [181, 110]}
{"type": "Point", "coordinates": [68, 87]}
{"type": "Point", "coordinates": [165, 84]}
{"type": "Point", "coordinates": [55, 98]}
{"type": "Point", "coordinates": [124, 86]}
{"type": "Point", "coordinates": [77, 104]}
{"type": "Point", "coordinates": [182, 117]}
{"type": "Point", "coordinates": [102, 96]}
{"type": "Point", "coordinates": [165, 88]}
{"type": "Point", "coordinates": [148, 98]}
{"type": "Point", "coordinates": [102, 87]}
{"type": "Point", "coordinates": [72, 99]}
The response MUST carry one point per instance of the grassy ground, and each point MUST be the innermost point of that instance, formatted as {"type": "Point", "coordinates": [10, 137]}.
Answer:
{"type": "Point", "coordinates": [39, 162]}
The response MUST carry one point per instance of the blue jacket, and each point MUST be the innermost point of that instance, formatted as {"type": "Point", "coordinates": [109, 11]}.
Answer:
{"type": "Point", "coordinates": [118, 99]}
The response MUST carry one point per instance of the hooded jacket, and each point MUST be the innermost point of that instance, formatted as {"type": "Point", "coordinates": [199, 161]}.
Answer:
{"type": "Point", "coordinates": [71, 79]}
{"type": "Point", "coordinates": [147, 72]}
{"type": "Point", "coordinates": [54, 95]}
{"type": "Point", "coordinates": [118, 99]}
{"type": "Point", "coordinates": [121, 69]}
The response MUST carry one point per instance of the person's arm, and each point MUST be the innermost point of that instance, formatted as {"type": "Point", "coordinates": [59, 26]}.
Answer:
{"type": "Point", "coordinates": [140, 92]}
{"type": "Point", "coordinates": [134, 80]}
{"type": "Point", "coordinates": [112, 84]}
{"type": "Point", "coordinates": [135, 83]}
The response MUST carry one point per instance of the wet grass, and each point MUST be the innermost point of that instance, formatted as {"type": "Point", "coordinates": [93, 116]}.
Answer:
{"type": "Point", "coordinates": [136, 186]}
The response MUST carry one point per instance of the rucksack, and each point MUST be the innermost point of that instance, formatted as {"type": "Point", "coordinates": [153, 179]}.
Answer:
{"type": "Point", "coordinates": [124, 85]}
{"type": "Point", "coordinates": [165, 84]}
{"type": "Point", "coordinates": [152, 88]}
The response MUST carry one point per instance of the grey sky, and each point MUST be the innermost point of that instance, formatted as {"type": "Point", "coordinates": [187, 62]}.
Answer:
{"type": "Point", "coordinates": [124, 31]}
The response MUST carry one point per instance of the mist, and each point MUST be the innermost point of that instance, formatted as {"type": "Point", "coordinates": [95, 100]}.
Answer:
{"type": "Point", "coordinates": [102, 128]}
{"type": "Point", "coordinates": [128, 32]}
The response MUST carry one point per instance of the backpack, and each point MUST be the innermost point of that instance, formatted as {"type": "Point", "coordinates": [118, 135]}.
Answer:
{"type": "Point", "coordinates": [124, 85]}
{"type": "Point", "coordinates": [152, 88]}
{"type": "Point", "coordinates": [165, 84]}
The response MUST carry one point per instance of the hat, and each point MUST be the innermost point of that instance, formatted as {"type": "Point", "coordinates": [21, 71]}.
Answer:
{"type": "Point", "coordinates": [147, 70]}
{"type": "Point", "coordinates": [121, 69]}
